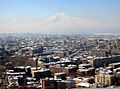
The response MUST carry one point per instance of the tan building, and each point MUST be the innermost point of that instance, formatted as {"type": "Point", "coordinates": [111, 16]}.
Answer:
{"type": "Point", "coordinates": [70, 71]}
{"type": "Point", "coordinates": [104, 79]}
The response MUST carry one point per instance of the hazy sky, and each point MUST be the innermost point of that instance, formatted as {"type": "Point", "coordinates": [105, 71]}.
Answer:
{"type": "Point", "coordinates": [59, 16]}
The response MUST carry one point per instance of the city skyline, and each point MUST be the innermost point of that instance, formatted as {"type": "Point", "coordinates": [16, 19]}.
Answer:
{"type": "Point", "coordinates": [63, 16]}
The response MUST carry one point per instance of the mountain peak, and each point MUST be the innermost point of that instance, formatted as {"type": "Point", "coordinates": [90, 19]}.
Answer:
{"type": "Point", "coordinates": [61, 14]}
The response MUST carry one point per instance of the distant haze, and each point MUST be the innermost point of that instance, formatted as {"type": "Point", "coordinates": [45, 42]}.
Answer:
{"type": "Point", "coordinates": [60, 16]}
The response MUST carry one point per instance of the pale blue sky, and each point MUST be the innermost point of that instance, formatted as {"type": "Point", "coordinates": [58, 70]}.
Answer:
{"type": "Point", "coordinates": [98, 10]}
